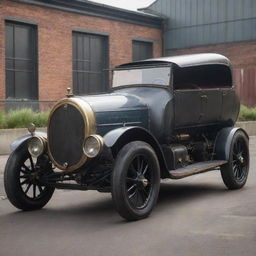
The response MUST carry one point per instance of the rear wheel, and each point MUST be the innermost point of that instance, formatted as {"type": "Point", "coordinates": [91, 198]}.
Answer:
{"type": "Point", "coordinates": [135, 180]}
{"type": "Point", "coordinates": [22, 181]}
{"type": "Point", "coordinates": [235, 172]}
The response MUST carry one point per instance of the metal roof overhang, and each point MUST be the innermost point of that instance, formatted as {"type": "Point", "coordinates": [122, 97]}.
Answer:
{"type": "Point", "coordinates": [99, 10]}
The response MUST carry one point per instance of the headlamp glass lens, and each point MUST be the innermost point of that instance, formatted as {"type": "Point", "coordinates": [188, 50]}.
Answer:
{"type": "Point", "coordinates": [92, 146]}
{"type": "Point", "coordinates": [35, 147]}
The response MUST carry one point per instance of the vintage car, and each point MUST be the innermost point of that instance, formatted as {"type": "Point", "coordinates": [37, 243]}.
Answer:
{"type": "Point", "coordinates": [169, 117]}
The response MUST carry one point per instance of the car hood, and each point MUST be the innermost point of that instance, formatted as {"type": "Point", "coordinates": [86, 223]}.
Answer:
{"type": "Point", "coordinates": [116, 110]}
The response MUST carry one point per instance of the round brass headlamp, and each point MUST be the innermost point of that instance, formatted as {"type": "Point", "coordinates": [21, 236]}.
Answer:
{"type": "Point", "coordinates": [36, 146]}
{"type": "Point", "coordinates": [93, 146]}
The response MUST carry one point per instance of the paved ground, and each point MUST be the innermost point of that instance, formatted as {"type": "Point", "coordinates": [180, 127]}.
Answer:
{"type": "Point", "coordinates": [195, 216]}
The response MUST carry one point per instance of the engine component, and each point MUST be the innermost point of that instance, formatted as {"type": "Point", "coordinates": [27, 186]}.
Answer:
{"type": "Point", "coordinates": [176, 156]}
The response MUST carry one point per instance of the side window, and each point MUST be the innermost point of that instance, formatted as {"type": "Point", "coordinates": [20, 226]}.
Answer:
{"type": "Point", "coordinates": [141, 50]}
{"type": "Point", "coordinates": [202, 77]}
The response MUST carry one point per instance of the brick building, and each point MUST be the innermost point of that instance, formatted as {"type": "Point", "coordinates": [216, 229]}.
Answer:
{"type": "Point", "coordinates": [47, 46]}
{"type": "Point", "coordinates": [227, 27]}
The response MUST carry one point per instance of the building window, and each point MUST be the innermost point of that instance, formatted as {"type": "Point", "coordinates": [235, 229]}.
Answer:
{"type": "Point", "coordinates": [141, 50]}
{"type": "Point", "coordinates": [21, 61]}
{"type": "Point", "coordinates": [90, 63]}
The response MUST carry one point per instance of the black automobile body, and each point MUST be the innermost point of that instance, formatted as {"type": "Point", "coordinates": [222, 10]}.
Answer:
{"type": "Point", "coordinates": [169, 117]}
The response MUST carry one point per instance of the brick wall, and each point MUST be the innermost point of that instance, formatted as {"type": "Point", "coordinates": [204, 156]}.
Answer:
{"type": "Point", "coordinates": [55, 43]}
{"type": "Point", "coordinates": [243, 59]}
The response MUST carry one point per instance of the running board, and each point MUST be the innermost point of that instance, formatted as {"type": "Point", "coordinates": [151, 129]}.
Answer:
{"type": "Point", "coordinates": [195, 168]}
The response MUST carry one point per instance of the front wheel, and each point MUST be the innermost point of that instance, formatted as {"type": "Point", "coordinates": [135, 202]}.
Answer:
{"type": "Point", "coordinates": [235, 172]}
{"type": "Point", "coordinates": [22, 181]}
{"type": "Point", "coordinates": [135, 180]}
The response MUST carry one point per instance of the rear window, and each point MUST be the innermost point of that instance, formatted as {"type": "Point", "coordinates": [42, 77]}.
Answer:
{"type": "Point", "coordinates": [200, 77]}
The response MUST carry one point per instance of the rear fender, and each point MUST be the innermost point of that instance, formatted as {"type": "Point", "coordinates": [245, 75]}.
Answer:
{"type": "Point", "coordinates": [117, 138]}
{"type": "Point", "coordinates": [19, 141]}
{"type": "Point", "coordinates": [223, 142]}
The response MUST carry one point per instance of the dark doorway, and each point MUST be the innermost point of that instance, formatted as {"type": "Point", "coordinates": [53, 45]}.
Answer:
{"type": "Point", "coordinates": [21, 61]}
{"type": "Point", "coordinates": [141, 50]}
{"type": "Point", "coordinates": [90, 63]}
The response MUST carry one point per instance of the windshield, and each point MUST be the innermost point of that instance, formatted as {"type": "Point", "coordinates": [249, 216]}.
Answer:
{"type": "Point", "coordinates": [143, 76]}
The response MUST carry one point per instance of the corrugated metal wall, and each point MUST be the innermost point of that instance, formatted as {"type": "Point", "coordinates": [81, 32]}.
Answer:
{"type": "Point", "coordinates": [203, 22]}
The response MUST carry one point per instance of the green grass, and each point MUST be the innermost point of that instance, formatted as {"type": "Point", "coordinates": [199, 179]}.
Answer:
{"type": "Point", "coordinates": [2, 119]}
{"type": "Point", "coordinates": [247, 114]}
{"type": "Point", "coordinates": [22, 117]}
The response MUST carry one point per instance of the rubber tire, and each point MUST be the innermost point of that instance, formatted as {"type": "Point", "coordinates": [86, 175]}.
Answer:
{"type": "Point", "coordinates": [12, 186]}
{"type": "Point", "coordinates": [227, 173]}
{"type": "Point", "coordinates": [119, 196]}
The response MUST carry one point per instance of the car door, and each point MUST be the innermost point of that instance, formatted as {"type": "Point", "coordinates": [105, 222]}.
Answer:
{"type": "Point", "coordinates": [211, 105]}
{"type": "Point", "coordinates": [187, 107]}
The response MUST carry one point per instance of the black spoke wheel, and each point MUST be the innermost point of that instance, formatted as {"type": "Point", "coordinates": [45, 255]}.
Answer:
{"type": "Point", "coordinates": [135, 180]}
{"type": "Point", "coordinates": [235, 172]}
{"type": "Point", "coordinates": [22, 181]}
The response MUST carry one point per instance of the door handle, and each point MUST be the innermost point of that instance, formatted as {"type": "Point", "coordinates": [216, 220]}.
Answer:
{"type": "Point", "coordinates": [204, 97]}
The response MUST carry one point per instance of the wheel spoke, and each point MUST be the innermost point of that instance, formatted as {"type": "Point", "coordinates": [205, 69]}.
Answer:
{"type": "Point", "coordinates": [28, 187]}
{"type": "Point", "coordinates": [131, 180]}
{"type": "Point", "coordinates": [130, 188]}
{"type": "Point", "coordinates": [138, 163]}
{"type": "Point", "coordinates": [133, 169]}
{"type": "Point", "coordinates": [235, 170]}
{"type": "Point", "coordinates": [141, 165]}
{"type": "Point", "coordinates": [145, 193]}
{"type": "Point", "coordinates": [239, 172]}
{"type": "Point", "coordinates": [34, 191]}
{"type": "Point", "coordinates": [24, 176]}
{"type": "Point", "coordinates": [25, 169]}
{"type": "Point", "coordinates": [26, 181]}
{"type": "Point", "coordinates": [133, 194]}
{"type": "Point", "coordinates": [140, 199]}
{"type": "Point", "coordinates": [239, 147]}
{"type": "Point", "coordinates": [32, 163]}
{"type": "Point", "coordinates": [137, 198]}
{"type": "Point", "coordinates": [145, 170]}
{"type": "Point", "coordinates": [40, 189]}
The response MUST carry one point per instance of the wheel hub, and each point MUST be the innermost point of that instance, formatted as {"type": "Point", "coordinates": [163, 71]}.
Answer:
{"type": "Point", "coordinates": [241, 159]}
{"type": "Point", "coordinates": [142, 181]}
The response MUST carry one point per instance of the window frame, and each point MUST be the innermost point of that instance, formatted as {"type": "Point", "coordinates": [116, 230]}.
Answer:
{"type": "Point", "coordinates": [103, 35]}
{"type": "Point", "coordinates": [33, 25]}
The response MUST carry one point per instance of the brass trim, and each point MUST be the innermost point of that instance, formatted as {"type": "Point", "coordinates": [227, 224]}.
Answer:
{"type": "Point", "coordinates": [100, 141]}
{"type": "Point", "coordinates": [89, 121]}
{"type": "Point", "coordinates": [42, 140]}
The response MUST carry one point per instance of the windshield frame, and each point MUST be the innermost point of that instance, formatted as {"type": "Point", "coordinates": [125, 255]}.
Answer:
{"type": "Point", "coordinates": [133, 67]}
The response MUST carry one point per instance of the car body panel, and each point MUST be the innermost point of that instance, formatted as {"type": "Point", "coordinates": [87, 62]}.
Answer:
{"type": "Point", "coordinates": [16, 143]}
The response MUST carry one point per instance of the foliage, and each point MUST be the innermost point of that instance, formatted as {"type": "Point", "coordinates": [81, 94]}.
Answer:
{"type": "Point", "coordinates": [247, 114]}
{"type": "Point", "coordinates": [22, 117]}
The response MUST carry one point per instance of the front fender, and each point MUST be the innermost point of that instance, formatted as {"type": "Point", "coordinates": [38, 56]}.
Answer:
{"type": "Point", "coordinates": [117, 138]}
{"type": "Point", "coordinates": [223, 142]}
{"type": "Point", "coordinates": [111, 137]}
{"type": "Point", "coordinates": [15, 144]}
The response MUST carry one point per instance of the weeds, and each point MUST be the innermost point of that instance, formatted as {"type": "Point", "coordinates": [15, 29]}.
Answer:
{"type": "Point", "coordinates": [247, 114]}
{"type": "Point", "coordinates": [22, 117]}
